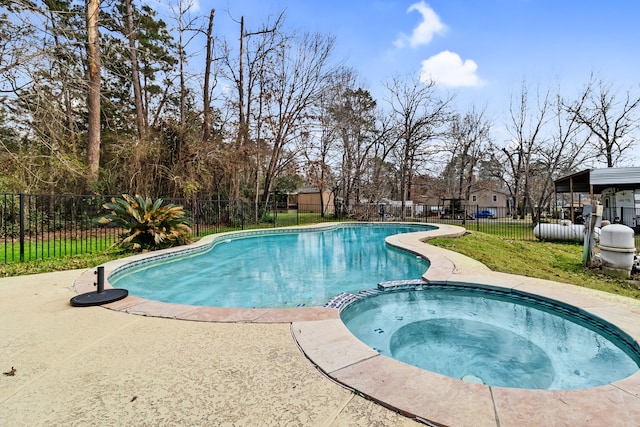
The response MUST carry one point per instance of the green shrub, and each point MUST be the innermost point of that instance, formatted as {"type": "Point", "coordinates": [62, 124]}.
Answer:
{"type": "Point", "coordinates": [148, 224]}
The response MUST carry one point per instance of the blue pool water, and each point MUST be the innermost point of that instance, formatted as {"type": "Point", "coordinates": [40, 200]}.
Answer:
{"type": "Point", "coordinates": [278, 269]}
{"type": "Point", "coordinates": [497, 338]}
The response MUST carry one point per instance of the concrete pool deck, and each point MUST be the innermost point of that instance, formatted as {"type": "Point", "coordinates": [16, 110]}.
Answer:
{"type": "Point", "coordinates": [79, 366]}
{"type": "Point", "coordinates": [93, 366]}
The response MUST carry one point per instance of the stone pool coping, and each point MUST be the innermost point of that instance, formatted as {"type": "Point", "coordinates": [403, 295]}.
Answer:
{"type": "Point", "coordinates": [425, 396]}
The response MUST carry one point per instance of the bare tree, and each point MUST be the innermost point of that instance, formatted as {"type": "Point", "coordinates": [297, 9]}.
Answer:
{"type": "Point", "coordinates": [355, 119]}
{"type": "Point", "coordinates": [135, 73]}
{"type": "Point", "coordinates": [43, 91]}
{"type": "Point", "coordinates": [206, 95]}
{"type": "Point", "coordinates": [526, 127]}
{"type": "Point", "coordinates": [469, 136]}
{"type": "Point", "coordinates": [319, 142]}
{"type": "Point", "coordinates": [297, 76]}
{"type": "Point", "coordinates": [610, 119]}
{"type": "Point", "coordinates": [187, 28]}
{"type": "Point", "coordinates": [351, 124]}
{"type": "Point", "coordinates": [565, 150]}
{"type": "Point", "coordinates": [255, 50]}
{"type": "Point", "coordinates": [346, 139]}
{"type": "Point", "coordinates": [417, 116]}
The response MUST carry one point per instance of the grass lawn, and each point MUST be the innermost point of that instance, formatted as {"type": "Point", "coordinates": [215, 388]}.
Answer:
{"type": "Point", "coordinates": [59, 264]}
{"type": "Point", "coordinates": [561, 262]}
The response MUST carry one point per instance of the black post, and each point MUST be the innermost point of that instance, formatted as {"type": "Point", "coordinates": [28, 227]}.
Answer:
{"type": "Point", "coordinates": [100, 273]}
{"type": "Point", "coordinates": [21, 227]}
{"type": "Point", "coordinates": [241, 215]}
{"type": "Point", "coordinates": [196, 214]}
{"type": "Point", "coordinates": [478, 218]}
{"type": "Point", "coordinates": [275, 213]}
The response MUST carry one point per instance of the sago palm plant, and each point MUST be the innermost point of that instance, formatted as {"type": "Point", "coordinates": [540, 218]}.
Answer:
{"type": "Point", "coordinates": [148, 224]}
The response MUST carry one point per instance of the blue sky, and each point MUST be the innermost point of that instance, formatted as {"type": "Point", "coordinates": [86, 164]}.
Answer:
{"type": "Point", "coordinates": [481, 50]}
{"type": "Point", "coordinates": [476, 47]}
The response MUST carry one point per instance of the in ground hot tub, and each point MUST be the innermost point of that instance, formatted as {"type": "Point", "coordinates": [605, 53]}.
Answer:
{"type": "Point", "coordinates": [492, 336]}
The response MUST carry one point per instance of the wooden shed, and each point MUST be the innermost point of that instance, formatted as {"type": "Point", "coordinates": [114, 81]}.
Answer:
{"type": "Point", "coordinates": [311, 200]}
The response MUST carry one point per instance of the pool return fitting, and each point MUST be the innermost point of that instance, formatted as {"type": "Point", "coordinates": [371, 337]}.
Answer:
{"type": "Point", "coordinates": [101, 296]}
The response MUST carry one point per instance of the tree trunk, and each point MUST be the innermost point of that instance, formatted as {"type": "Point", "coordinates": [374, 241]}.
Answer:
{"type": "Point", "coordinates": [206, 125]}
{"type": "Point", "coordinates": [93, 92]}
{"type": "Point", "coordinates": [234, 192]}
{"type": "Point", "coordinates": [135, 73]}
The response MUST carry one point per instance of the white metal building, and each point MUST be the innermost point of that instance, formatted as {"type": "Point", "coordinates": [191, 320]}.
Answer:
{"type": "Point", "coordinates": [621, 197]}
{"type": "Point", "coordinates": [619, 190]}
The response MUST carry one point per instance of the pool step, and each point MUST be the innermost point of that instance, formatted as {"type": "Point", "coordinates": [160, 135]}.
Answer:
{"type": "Point", "coordinates": [345, 298]}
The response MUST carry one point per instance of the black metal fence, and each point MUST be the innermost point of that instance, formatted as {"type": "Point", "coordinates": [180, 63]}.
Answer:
{"type": "Point", "coordinates": [505, 222]}
{"type": "Point", "coordinates": [39, 226]}
{"type": "Point", "coordinates": [45, 226]}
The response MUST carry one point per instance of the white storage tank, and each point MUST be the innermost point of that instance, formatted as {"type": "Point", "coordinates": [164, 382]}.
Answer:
{"type": "Point", "coordinates": [565, 231]}
{"type": "Point", "coordinates": [617, 249]}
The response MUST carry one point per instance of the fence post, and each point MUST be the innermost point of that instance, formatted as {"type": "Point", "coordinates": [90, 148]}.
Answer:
{"type": "Point", "coordinates": [477, 215]}
{"type": "Point", "coordinates": [539, 217]}
{"type": "Point", "coordinates": [21, 198]}
{"type": "Point", "coordinates": [196, 214]}
{"type": "Point", "coordinates": [275, 213]}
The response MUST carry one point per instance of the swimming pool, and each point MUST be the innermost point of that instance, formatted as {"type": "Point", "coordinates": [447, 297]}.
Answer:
{"type": "Point", "coordinates": [276, 268]}
{"type": "Point", "coordinates": [334, 350]}
{"type": "Point", "coordinates": [493, 337]}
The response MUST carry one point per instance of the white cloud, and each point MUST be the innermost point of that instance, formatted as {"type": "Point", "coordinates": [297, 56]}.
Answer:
{"type": "Point", "coordinates": [424, 32]}
{"type": "Point", "coordinates": [448, 69]}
